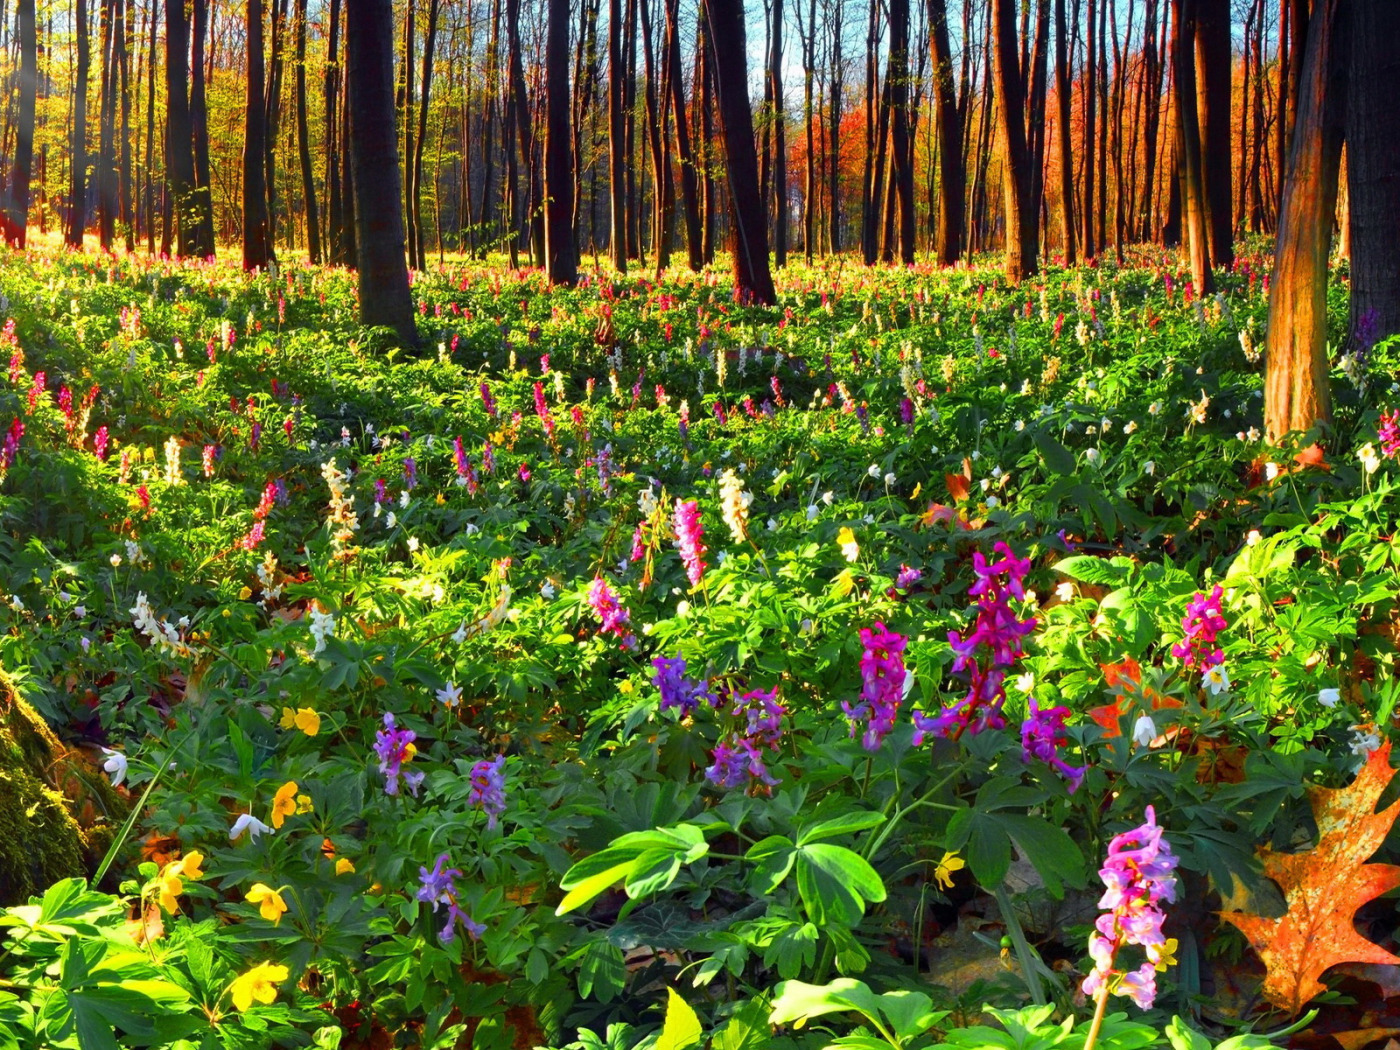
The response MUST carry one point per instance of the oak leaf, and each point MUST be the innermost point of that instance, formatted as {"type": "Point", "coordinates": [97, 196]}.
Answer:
{"type": "Point", "coordinates": [1324, 887]}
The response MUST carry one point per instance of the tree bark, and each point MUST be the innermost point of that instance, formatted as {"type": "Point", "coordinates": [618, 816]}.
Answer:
{"type": "Point", "coordinates": [1021, 239]}
{"type": "Point", "coordinates": [748, 235]}
{"type": "Point", "coordinates": [1214, 74]}
{"type": "Point", "coordinates": [107, 201]}
{"type": "Point", "coordinates": [617, 139]}
{"type": "Point", "coordinates": [77, 201]}
{"type": "Point", "coordinates": [558, 151]}
{"type": "Point", "coordinates": [779, 115]}
{"type": "Point", "coordinates": [1063, 92]}
{"type": "Point", "coordinates": [379, 237]}
{"type": "Point", "coordinates": [415, 179]}
{"type": "Point", "coordinates": [202, 193]}
{"type": "Point", "coordinates": [1188, 143]}
{"type": "Point", "coordinates": [308, 180]}
{"type": "Point", "coordinates": [257, 233]}
{"type": "Point", "coordinates": [1296, 394]}
{"type": "Point", "coordinates": [690, 189]}
{"type": "Point", "coordinates": [952, 177]}
{"type": "Point", "coordinates": [17, 206]}
{"type": "Point", "coordinates": [902, 167]}
{"type": "Point", "coordinates": [833, 144]}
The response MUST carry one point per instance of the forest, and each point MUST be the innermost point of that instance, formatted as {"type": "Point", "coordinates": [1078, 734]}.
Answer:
{"type": "Point", "coordinates": [660, 525]}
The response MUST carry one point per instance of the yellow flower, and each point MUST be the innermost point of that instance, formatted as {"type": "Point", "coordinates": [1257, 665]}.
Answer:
{"type": "Point", "coordinates": [189, 864]}
{"type": "Point", "coordinates": [245, 593]}
{"type": "Point", "coordinates": [269, 901]}
{"type": "Point", "coordinates": [169, 884]}
{"type": "Point", "coordinates": [1165, 955]}
{"type": "Point", "coordinates": [846, 540]}
{"type": "Point", "coordinates": [625, 688]}
{"type": "Point", "coordinates": [284, 803]}
{"type": "Point", "coordinates": [304, 804]}
{"type": "Point", "coordinates": [344, 867]}
{"type": "Point", "coordinates": [943, 874]}
{"type": "Point", "coordinates": [305, 719]}
{"type": "Point", "coordinates": [441, 499]}
{"type": "Point", "coordinates": [259, 983]}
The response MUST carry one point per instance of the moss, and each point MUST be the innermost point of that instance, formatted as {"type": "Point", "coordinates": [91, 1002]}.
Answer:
{"type": "Point", "coordinates": [40, 842]}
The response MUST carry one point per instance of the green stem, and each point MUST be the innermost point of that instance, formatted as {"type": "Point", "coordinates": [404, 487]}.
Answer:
{"type": "Point", "coordinates": [1025, 955]}
{"type": "Point", "coordinates": [135, 814]}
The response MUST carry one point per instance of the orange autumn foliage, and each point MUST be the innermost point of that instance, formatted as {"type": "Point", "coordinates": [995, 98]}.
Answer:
{"type": "Point", "coordinates": [1324, 887]}
{"type": "Point", "coordinates": [1127, 675]}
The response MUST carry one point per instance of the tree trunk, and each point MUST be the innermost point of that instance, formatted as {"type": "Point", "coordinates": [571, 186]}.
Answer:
{"type": "Point", "coordinates": [337, 246]}
{"type": "Point", "coordinates": [77, 206]}
{"type": "Point", "coordinates": [1035, 113]}
{"type": "Point", "coordinates": [1296, 394]}
{"type": "Point", "coordinates": [779, 115]}
{"type": "Point", "coordinates": [379, 238]}
{"type": "Point", "coordinates": [257, 235]}
{"type": "Point", "coordinates": [1214, 73]}
{"type": "Point", "coordinates": [558, 151]}
{"type": "Point", "coordinates": [1373, 169]}
{"type": "Point", "coordinates": [277, 11]}
{"type": "Point", "coordinates": [202, 194]}
{"type": "Point", "coordinates": [1153, 69]}
{"type": "Point", "coordinates": [833, 144]}
{"type": "Point", "coordinates": [127, 40]}
{"type": "Point", "coordinates": [415, 179]}
{"type": "Point", "coordinates": [17, 205]}
{"type": "Point", "coordinates": [308, 180]}
{"type": "Point", "coordinates": [1188, 146]}
{"type": "Point", "coordinates": [1062, 131]}
{"type": "Point", "coordinates": [1021, 239]}
{"type": "Point", "coordinates": [178, 132]}
{"type": "Point", "coordinates": [952, 178]}
{"type": "Point", "coordinates": [617, 139]}
{"type": "Point", "coordinates": [902, 167]}
{"type": "Point", "coordinates": [749, 233]}
{"type": "Point", "coordinates": [690, 189]}
{"type": "Point", "coordinates": [1090, 89]}
{"type": "Point", "coordinates": [107, 130]}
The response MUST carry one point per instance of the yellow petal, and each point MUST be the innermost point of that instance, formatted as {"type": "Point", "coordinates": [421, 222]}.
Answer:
{"type": "Point", "coordinates": [189, 865]}
{"type": "Point", "coordinates": [288, 718]}
{"type": "Point", "coordinates": [308, 721]}
{"type": "Point", "coordinates": [344, 867]}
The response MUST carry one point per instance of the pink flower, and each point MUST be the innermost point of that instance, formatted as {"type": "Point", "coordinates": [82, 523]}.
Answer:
{"type": "Point", "coordinates": [689, 535]}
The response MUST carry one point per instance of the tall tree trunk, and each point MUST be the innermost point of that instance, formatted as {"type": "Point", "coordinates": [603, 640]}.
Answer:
{"type": "Point", "coordinates": [178, 132]}
{"type": "Point", "coordinates": [1373, 169]}
{"type": "Point", "coordinates": [558, 151]}
{"type": "Point", "coordinates": [127, 39]}
{"type": "Point", "coordinates": [379, 238]}
{"type": "Point", "coordinates": [338, 250]}
{"type": "Point", "coordinates": [150, 194]}
{"type": "Point", "coordinates": [415, 195]}
{"type": "Point", "coordinates": [656, 107]}
{"type": "Point", "coordinates": [1213, 69]}
{"type": "Point", "coordinates": [202, 194]}
{"type": "Point", "coordinates": [77, 201]}
{"type": "Point", "coordinates": [1063, 91]}
{"type": "Point", "coordinates": [525, 138]}
{"type": "Point", "coordinates": [257, 232]}
{"type": "Point", "coordinates": [690, 189]}
{"type": "Point", "coordinates": [308, 180]}
{"type": "Point", "coordinates": [1153, 69]}
{"type": "Point", "coordinates": [1035, 111]}
{"type": "Point", "coordinates": [1090, 89]}
{"type": "Point", "coordinates": [617, 139]}
{"type": "Point", "coordinates": [485, 212]}
{"type": "Point", "coordinates": [875, 112]}
{"type": "Point", "coordinates": [809, 116]}
{"type": "Point", "coordinates": [902, 167]}
{"type": "Point", "coordinates": [749, 234]}
{"type": "Point", "coordinates": [404, 101]}
{"type": "Point", "coordinates": [780, 187]}
{"type": "Point", "coordinates": [107, 130]}
{"type": "Point", "coordinates": [17, 203]}
{"type": "Point", "coordinates": [1296, 395]}
{"type": "Point", "coordinates": [277, 10]}
{"type": "Point", "coordinates": [1188, 146]}
{"type": "Point", "coordinates": [706, 74]}
{"type": "Point", "coordinates": [952, 178]}
{"type": "Point", "coordinates": [1021, 239]}
{"type": "Point", "coordinates": [833, 141]}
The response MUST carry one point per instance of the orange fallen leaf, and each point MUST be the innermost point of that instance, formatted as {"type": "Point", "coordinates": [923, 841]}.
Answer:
{"type": "Point", "coordinates": [1127, 675]}
{"type": "Point", "coordinates": [1324, 887]}
{"type": "Point", "coordinates": [958, 487]}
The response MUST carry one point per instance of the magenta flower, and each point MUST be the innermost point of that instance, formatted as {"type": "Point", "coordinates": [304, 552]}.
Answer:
{"type": "Point", "coordinates": [1389, 433]}
{"type": "Point", "coordinates": [689, 535]}
{"type": "Point", "coordinates": [675, 690]}
{"type": "Point", "coordinates": [466, 473]}
{"type": "Point", "coordinates": [487, 401]}
{"type": "Point", "coordinates": [1042, 736]}
{"type": "Point", "coordinates": [99, 442]}
{"type": "Point", "coordinates": [1203, 623]}
{"type": "Point", "coordinates": [542, 410]}
{"type": "Point", "coordinates": [613, 615]}
{"type": "Point", "coordinates": [882, 676]}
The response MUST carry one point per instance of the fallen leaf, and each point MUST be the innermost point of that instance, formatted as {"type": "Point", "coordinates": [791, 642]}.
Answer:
{"type": "Point", "coordinates": [1324, 887]}
{"type": "Point", "coordinates": [1126, 675]}
{"type": "Point", "coordinates": [958, 487]}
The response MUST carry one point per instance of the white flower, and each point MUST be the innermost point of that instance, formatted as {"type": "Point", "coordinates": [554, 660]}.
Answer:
{"type": "Point", "coordinates": [403, 500]}
{"type": "Point", "coordinates": [413, 543]}
{"type": "Point", "coordinates": [1093, 456]}
{"type": "Point", "coordinates": [115, 766]}
{"type": "Point", "coordinates": [1025, 682]}
{"type": "Point", "coordinates": [889, 479]}
{"type": "Point", "coordinates": [16, 604]}
{"type": "Point", "coordinates": [450, 694]}
{"type": "Point", "coordinates": [1020, 425]}
{"type": "Point", "coordinates": [772, 524]}
{"type": "Point", "coordinates": [873, 470]}
{"type": "Point", "coordinates": [460, 634]}
{"type": "Point", "coordinates": [1155, 408]}
{"type": "Point", "coordinates": [116, 560]}
{"type": "Point", "coordinates": [828, 497]}
{"type": "Point", "coordinates": [1150, 467]}
{"type": "Point", "coordinates": [1270, 471]}
{"type": "Point", "coordinates": [1252, 538]}
{"type": "Point", "coordinates": [812, 512]}
{"type": "Point", "coordinates": [1065, 591]}
{"type": "Point", "coordinates": [1144, 731]}
{"type": "Point", "coordinates": [993, 503]}
{"type": "Point", "coordinates": [1369, 460]}
{"type": "Point", "coordinates": [249, 823]}
{"type": "Point", "coordinates": [1130, 426]}
{"type": "Point", "coordinates": [322, 627]}
{"type": "Point", "coordinates": [1364, 740]}
{"type": "Point", "coordinates": [1329, 697]}
{"type": "Point", "coordinates": [1217, 680]}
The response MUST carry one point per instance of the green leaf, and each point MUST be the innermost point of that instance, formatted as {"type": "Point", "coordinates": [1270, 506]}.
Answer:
{"type": "Point", "coordinates": [602, 970]}
{"type": "Point", "coordinates": [1089, 569]}
{"type": "Point", "coordinates": [1058, 459]}
{"type": "Point", "coordinates": [835, 883]}
{"type": "Point", "coordinates": [681, 1029]}
{"type": "Point", "coordinates": [746, 1029]}
{"type": "Point", "coordinates": [846, 824]}
{"type": "Point", "coordinates": [773, 859]}
{"type": "Point", "coordinates": [796, 1002]}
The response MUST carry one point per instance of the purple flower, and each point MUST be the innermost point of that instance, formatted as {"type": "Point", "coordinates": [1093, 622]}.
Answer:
{"type": "Point", "coordinates": [466, 473]}
{"type": "Point", "coordinates": [738, 759]}
{"type": "Point", "coordinates": [689, 536]}
{"type": "Point", "coordinates": [439, 886]}
{"type": "Point", "coordinates": [1042, 736]}
{"type": "Point", "coordinates": [487, 401]}
{"type": "Point", "coordinates": [675, 690]}
{"type": "Point", "coordinates": [410, 473]}
{"type": "Point", "coordinates": [542, 410]}
{"type": "Point", "coordinates": [907, 577]}
{"type": "Point", "coordinates": [395, 747]}
{"type": "Point", "coordinates": [489, 788]}
{"type": "Point", "coordinates": [613, 615]}
{"type": "Point", "coordinates": [488, 458]}
{"type": "Point", "coordinates": [882, 685]}
{"type": "Point", "coordinates": [1202, 623]}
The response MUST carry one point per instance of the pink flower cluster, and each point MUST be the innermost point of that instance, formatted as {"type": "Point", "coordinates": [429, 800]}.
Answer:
{"type": "Point", "coordinates": [614, 616]}
{"type": "Point", "coordinates": [1042, 736]}
{"type": "Point", "coordinates": [1203, 623]}
{"type": "Point", "coordinates": [1138, 876]}
{"type": "Point", "coordinates": [882, 677]}
{"type": "Point", "coordinates": [689, 536]}
{"type": "Point", "coordinates": [1389, 433]}
{"type": "Point", "coordinates": [990, 648]}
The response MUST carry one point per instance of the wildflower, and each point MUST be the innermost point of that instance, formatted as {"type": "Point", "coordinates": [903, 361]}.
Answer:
{"type": "Point", "coordinates": [115, 766]}
{"type": "Point", "coordinates": [249, 823]}
{"type": "Point", "coordinates": [450, 694]}
{"type": "Point", "coordinates": [1042, 736]}
{"type": "Point", "coordinates": [882, 685]}
{"type": "Point", "coordinates": [675, 690]}
{"type": "Point", "coordinates": [1216, 680]}
{"type": "Point", "coordinates": [287, 803]}
{"type": "Point", "coordinates": [738, 758]}
{"type": "Point", "coordinates": [846, 540]}
{"type": "Point", "coordinates": [488, 789]}
{"type": "Point", "coordinates": [1326, 697]}
{"type": "Point", "coordinates": [1370, 462]}
{"type": "Point", "coordinates": [907, 577]}
{"type": "Point", "coordinates": [306, 719]}
{"type": "Point", "coordinates": [604, 602]}
{"type": "Point", "coordinates": [439, 886]}
{"type": "Point", "coordinates": [269, 901]}
{"type": "Point", "coordinates": [1202, 623]}
{"type": "Point", "coordinates": [322, 627]}
{"type": "Point", "coordinates": [395, 748]}
{"type": "Point", "coordinates": [258, 984]}
{"type": "Point", "coordinates": [689, 539]}
{"type": "Point", "coordinates": [1138, 876]}
{"type": "Point", "coordinates": [169, 883]}
{"type": "Point", "coordinates": [344, 866]}
{"type": "Point", "coordinates": [1388, 433]}
{"type": "Point", "coordinates": [1144, 731]}
{"type": "Point", "coordinates": [943, 873]}
{"type": "Point", "coordinates": [1364, 740]}
{"type": "Point", "coordinates": [734, 504]}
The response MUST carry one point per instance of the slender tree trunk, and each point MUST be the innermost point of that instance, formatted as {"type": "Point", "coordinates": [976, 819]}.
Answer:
{"type": "Point", "coordinates": [202, 195]}
{"type": "Point", "coordinates": [257, 231]}
{"type": "Point", "coordinates": [178, 131]}
{"type": "Point", "coordinates": [127, 40]}
{"type": "Point", "coordinates": [1214, 76]}
{"type": "Point", "coordinates": [1090, 88]}
{"type": "Point", "coordinates": [385, 299]}
{"type": "Point", "coordinates": [107, 130]}
{"type": "Point", "coordinates": [1153, 70]}
{"type": "Point", "coordinates": [1062, 131]}
{"type": "Point", "coordinates": [1296, 394]}
{"type": "Point", "coordinates": [77, 206]}
{"type": "Point", "coordinates": [415, 196]}
{"type": "Point", "coordinates": [901, 168]}
{"type": "Point", "coordinates": [1188, 142]}
{"type": "Point", "coordinates": [690, 190]}
{"type": "Point", "coordinates": [308, 180]}
{"type": "Point", "coordinates": [779, 115]}
{"type": "Point", "coordinates": [1035, 114]}
{"type": "Point", "coordinates": [1373, 169]}
{"type": "Point", "coordinates": [749, 234]}
{"type": "Point", "coordinates": [558, 151]}
{"type": "Point", "coordinates": [706, 73]}
{"type": "Point", "coordinates": [17, 204]}
{"type": "Point", "coordinates": [617, 138]}
{"type": "Point", "coordinates": [338, 248]}
{"type": "Point", "coordinates": [150, 195]}
{"type": "Point", "coordinates": [833, 143]}
{"type": "Point", "coordinates": [1021, 239]}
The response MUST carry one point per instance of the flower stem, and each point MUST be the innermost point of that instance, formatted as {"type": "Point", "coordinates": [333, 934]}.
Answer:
{"type": "Point", "coordinates": [1100, 1008]}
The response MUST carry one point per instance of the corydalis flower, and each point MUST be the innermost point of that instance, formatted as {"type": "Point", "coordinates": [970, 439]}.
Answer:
{"type": "Point", "coordinates": [1389, 433]}
{"type": "Point", "coordinates": [395, 749]}
{"type": "Point", "coordinates": [734, 505]}
{"type": "Point", "coordinates": [675, 691]}
{"type": "Point", "coordinates": [990, 648]}
{"type": "Point", "coordinates": [738, 759]}
{"type": "Point", "coordinates": [1042, 736]}
{"type": "Point", "coordinates": [882, 676]}
{"type": "Point", "coordinates": [613, 615]}
{"type": "Point", "coordinates": [1203, 623]}
{"type": "Point", "coordinates": [689, 535]}
{"type": "Point", "coordinates": [1138, 876]}
{"type": "Point", "coordinates": [438, 887]}
{"type": "Point", "coordinates": [489, 788]}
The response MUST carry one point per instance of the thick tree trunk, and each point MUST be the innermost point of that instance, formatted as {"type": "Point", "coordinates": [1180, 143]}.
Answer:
{"type": "Point", "coordinates": [1021, 240]}
{"type": "Point", "coordinates": [257, 232]}
{"type": "Point", "coordinates": [77, 200]}
{"type": "Point", "coordinates": [202, 195]}
{"type": "Point", "coordinates": [952, 178]}
{"type": "Point", "coordinates": [1373, 169]}
{"type": "Point", "coordinates": [617, 139]}
{"type": "Point", "coordinates": [308, 180]}
{"type": "Point", "coordinates": [277, 9]}
{"type": "Point", "coordinates": [558, 151]}
{"type": "Point", "coordinates": [178, 131]}
{"type": "Point", "coordinates": [690, 189]}
{"type": "Point", "coordinates": [1214, 75]}
{"type": "Point", "coordinates": [1188, 146]}
{"type": "Point", "coordinates": [338, 250]}
{"type": "Point", "coordinates": [1296, 394]}
{"type": "Point", "coordinates": [17, 203]}
{"type": "Point", "coordinates": [902, 166]}
{"type": "Point", "coordinates": [379, 238]}
{"type": "Point", "coordinates": [749, 234]}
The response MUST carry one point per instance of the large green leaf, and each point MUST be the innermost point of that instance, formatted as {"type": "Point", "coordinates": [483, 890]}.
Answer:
{"type": "Point", "coordinates": [644, 861]}
{"type": "Point", "coordinates": [681, 1029]}
{"type": "Point", "coordinates": [835, 883]}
